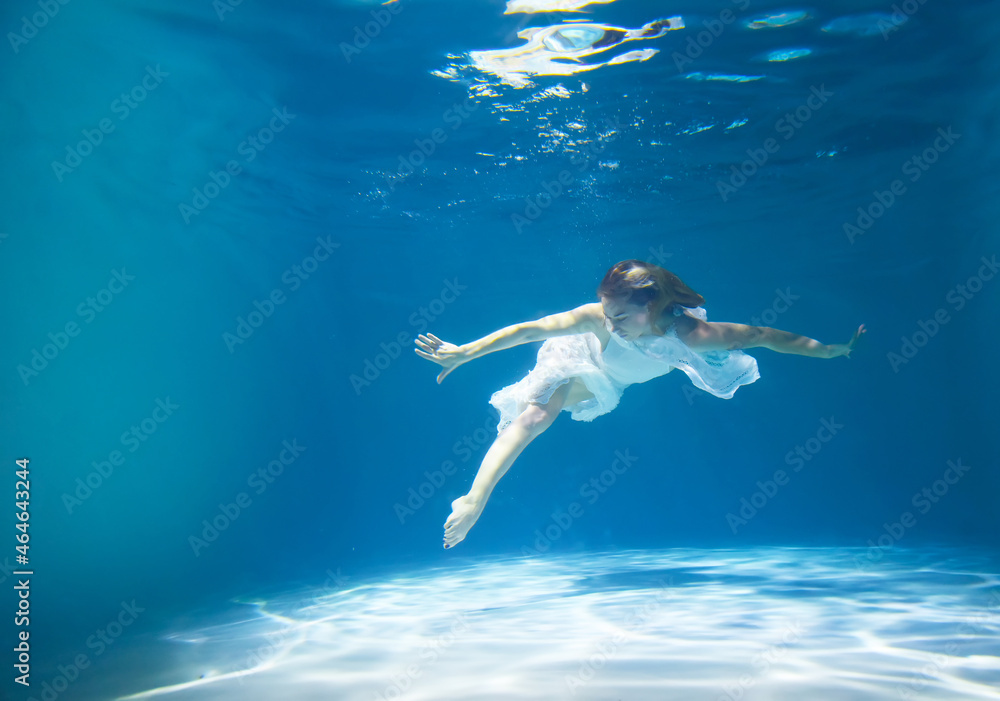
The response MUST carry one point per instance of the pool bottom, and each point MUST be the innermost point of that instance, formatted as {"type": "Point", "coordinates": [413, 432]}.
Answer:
{"type": "Point", "coordinates": [687, 624]}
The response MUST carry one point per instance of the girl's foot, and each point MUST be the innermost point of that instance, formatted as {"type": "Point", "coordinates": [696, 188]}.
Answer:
{"type": "Point", "coordinates": [464, 514]}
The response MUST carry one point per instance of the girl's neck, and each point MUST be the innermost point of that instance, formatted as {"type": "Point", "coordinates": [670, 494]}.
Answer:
{"type": "Point", "coordinates": [666, 320]}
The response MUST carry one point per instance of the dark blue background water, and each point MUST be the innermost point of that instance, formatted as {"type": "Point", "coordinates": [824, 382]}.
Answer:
{"type": "Point", "coordinates": [328, 174]}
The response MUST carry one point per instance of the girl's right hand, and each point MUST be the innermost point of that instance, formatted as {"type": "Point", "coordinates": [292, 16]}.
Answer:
{"type": "Point", "coordinates": [445, 354]}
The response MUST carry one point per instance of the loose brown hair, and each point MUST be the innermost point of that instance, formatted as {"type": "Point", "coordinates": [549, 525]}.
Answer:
{"type": "Point", "coordinates": [638, 282]}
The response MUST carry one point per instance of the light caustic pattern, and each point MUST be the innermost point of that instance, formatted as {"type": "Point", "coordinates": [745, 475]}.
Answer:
{"type": "Point", "coordinates": [519, 84]}
{"type": "Point", "coordinates": [560, 49]}
{"type": "Point", "coordinates": [663, 626]}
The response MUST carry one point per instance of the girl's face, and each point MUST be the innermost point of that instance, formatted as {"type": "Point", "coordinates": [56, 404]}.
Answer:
{"type": "Point", "coordinates": [624, 319]}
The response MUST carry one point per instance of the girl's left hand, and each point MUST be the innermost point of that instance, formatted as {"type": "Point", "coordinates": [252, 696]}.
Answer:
{"type": "Point", "coordinates": [846, 348]}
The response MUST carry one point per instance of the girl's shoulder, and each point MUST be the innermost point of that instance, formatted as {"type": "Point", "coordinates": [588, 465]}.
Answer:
{"type": "Point", "coordinates": [593, 310]}
{"type": "Point", "coordinates": [593, 313]}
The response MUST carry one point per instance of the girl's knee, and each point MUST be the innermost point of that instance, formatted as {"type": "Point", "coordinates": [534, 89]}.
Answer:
{"type": "Point", "coordinates": [538, 417]}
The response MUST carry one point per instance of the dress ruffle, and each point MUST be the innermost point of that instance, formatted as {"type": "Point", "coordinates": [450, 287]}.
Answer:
{"type": "Point", "coordinates": [622, 363]}
{"type": "Point", "coordinates": [560, 360]}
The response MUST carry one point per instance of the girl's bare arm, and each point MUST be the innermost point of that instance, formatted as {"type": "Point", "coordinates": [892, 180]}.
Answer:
{"type": "Point", "coordinates": [706, 336]}
{"type": "Point", "coordinates": [589, 317]}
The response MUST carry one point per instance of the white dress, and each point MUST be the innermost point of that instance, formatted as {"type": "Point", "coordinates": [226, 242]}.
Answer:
{"type": "Point", "coordinates": [607, 373]}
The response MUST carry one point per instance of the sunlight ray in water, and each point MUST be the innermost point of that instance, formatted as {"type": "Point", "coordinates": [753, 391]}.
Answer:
{"type": "Point", "coordinates": [682, 624]}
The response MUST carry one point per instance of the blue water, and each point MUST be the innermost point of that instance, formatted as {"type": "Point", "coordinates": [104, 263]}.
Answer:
{"type": "Point", "coordinates": [224, 225]}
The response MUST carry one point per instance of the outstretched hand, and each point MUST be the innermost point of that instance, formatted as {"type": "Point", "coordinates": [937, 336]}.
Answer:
{"type": "Point", "coordinates": [849, 346]}
{"type": "Point", "coordinates": [445, 354]}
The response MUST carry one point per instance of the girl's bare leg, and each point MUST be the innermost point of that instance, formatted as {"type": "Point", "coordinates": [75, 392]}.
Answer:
{"type": "Point", "coordinates": [532, 422]}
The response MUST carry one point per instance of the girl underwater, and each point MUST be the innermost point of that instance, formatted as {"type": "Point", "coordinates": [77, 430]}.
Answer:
{"type": "Point", "coordinates": [647, 323]}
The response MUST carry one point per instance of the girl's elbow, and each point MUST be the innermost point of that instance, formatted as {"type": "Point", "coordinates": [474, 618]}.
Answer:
{"type": "Point", "coordinates": [754, 337]}
{"type": "Point", "coordinates": [525, 333]}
